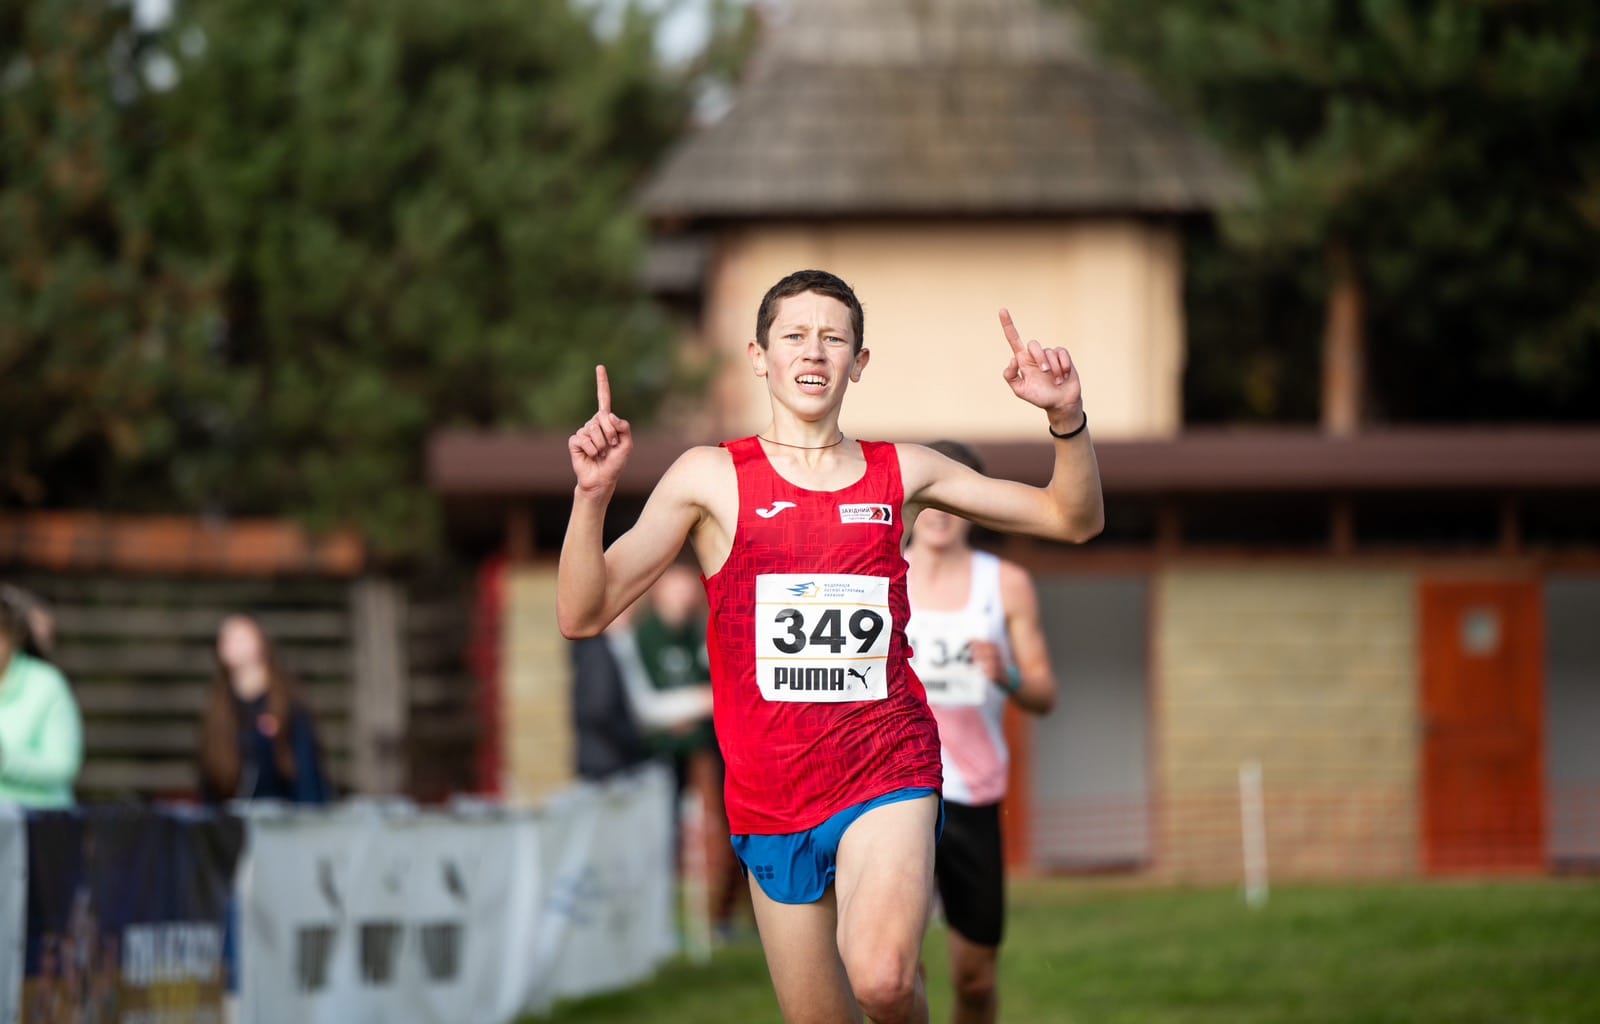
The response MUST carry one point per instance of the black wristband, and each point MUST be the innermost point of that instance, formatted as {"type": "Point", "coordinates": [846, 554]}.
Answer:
{"type": "Point", "coordinates": [1069, 435]}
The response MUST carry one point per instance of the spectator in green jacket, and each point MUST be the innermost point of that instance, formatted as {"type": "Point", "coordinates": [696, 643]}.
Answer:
{"type": "Point", "coordinates": [41, 732]}
{"type": "Point", "coordinates": [671, 644]}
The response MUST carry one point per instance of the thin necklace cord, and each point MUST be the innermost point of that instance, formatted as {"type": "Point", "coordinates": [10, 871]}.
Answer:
{"type": "Point", "coordinates": [805, 447]}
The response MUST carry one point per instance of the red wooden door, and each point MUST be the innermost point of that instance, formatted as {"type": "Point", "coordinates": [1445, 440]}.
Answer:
{"type": "Point", "coordinates": [1016, 817]}
{"type": "Point", "coordinates": [1482, 771]}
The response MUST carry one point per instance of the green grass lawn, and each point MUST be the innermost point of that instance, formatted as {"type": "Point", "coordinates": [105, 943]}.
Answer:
{"type": "Point", "coordinates": [1081, 953]}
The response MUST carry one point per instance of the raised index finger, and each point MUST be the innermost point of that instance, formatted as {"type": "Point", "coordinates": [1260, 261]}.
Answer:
{"type": "Point", "coordinates": [1011, 331]}
{"type": "Point", "coordinates": [602, 387]}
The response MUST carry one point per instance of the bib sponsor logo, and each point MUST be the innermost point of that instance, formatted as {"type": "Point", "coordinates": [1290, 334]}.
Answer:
{"type": "Point", "coordinates": [866, 514]}
{"type": "Point", "coordinates": [836, 680]}
{"type": "Point", "coordinates": [774, 509]}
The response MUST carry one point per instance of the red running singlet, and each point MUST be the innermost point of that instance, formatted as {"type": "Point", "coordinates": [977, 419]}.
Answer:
{"type": "Point", "coordinates": [817, 708]}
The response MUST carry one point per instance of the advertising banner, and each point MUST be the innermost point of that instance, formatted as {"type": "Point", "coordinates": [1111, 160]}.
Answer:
{"type": "Point", "coordinates": [126, 915]}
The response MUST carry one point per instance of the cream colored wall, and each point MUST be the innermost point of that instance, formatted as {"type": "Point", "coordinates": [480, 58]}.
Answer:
{"type": "Point", "coordinates": [1312, 672]}
{"type": "Point", "coordinates": [1108, 290]}
{"type": "Point", "coordinates": [537, 688]}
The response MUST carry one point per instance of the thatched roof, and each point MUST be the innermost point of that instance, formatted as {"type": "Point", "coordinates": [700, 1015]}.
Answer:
{"type": "Point", "coordinates": [898, 107]}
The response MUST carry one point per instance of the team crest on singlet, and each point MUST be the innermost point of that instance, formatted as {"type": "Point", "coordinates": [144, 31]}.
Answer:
{"type": "Point", "coordinates": [882, 514]}
{"type": "Point", "coordinates": [822, 637]}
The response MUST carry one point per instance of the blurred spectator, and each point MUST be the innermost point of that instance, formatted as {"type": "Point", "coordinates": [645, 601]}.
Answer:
{"type": "Point", "coordinates": [616, 705]}
{"type": "Point", "coordinates": [672, 646]}
{"type": "Point", "coordinates": [41, 732]}
{"type": "Point", "coordinates": [671, 638]}
{"type": "Point", "coordinates": [39, 623]}
{"type": "Point", "coordinates": [608, 736]}
{"type": "Point", "coordinates": [257, 737]}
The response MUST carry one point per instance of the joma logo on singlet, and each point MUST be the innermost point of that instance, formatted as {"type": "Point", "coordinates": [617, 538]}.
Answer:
{"type": "Point", "coordinates": [807, 678]}
{"type": "Point", "coordinates": [774, 509]}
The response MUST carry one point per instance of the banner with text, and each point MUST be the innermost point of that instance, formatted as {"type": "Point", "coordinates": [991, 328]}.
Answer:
{"type": "Point", "coordinates": [126, 912]}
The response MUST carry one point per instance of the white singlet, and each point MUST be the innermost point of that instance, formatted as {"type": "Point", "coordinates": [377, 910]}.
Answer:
{"type": "Point", "coordinates": [972, 739]}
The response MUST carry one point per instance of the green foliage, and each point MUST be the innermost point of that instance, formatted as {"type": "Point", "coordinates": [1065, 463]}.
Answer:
{"type": "Point", "coordinates": [315, 232]}
{"type": "Point", "coordinates": [97, 328]}
{"type": "Point", "coordinates": [1453, 148]}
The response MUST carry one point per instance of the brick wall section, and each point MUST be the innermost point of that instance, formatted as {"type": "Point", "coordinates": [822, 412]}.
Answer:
{"type": "Point", "coordinates": [536, 675]}
{"type": "Point", "coordinates": [1312, 672]}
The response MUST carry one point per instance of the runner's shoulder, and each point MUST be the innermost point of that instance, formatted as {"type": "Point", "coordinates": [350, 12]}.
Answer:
{"type": "Point", "coordinates": [700, 471]}
{"type": "Point", "coordinates": [919, 465]}
{"type": "Point", "coordinates": [1016, 583]}
{"type": "Point", "coordinates": [709, 463]}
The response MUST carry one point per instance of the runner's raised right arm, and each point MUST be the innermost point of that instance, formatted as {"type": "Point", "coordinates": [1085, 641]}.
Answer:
{"type": "Point", "coordinates": [594, 584]}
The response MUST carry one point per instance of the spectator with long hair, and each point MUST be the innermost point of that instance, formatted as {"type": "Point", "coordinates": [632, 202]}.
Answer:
{"type": "Point", "coordinates": [257, 736]}
{"type": "Point", "coordinates": [38, 621]}
{"type": "Point", "coordinates": [41, 731]}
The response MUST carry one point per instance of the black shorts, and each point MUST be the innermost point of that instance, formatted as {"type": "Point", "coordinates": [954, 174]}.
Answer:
{"type": "Point", "coordinates": [970, 867]}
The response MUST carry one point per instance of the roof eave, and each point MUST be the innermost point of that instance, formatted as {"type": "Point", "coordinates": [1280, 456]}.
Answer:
{"type": "Point", "coordinates": [464, 464]}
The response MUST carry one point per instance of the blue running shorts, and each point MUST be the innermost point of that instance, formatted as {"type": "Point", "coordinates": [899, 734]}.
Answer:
{"type": "Point", "coordinates": [798, 867]}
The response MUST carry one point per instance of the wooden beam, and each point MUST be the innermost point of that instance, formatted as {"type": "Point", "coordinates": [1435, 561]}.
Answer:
{"type": "Point", "coordinates": [1169, 527]}
{"type": "Point", "coordinates": [1342, 525]}
{"type": "Point", "coordinates": [1510, 525]}
{"type": "Point", "coordinates": [1344, 371]}
{"type": "Point", "coordinates": [379, 710]}
{"type": "Point", "coordinates": [519, 532]}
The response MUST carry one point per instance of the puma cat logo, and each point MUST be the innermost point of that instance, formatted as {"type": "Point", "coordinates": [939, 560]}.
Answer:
{"type": "Point", "coordinates": [859, 675]}
{"type": "Point", "coordinates": [777, 506]}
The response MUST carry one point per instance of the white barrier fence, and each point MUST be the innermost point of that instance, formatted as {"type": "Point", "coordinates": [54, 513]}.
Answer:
{"type": "Point", "coordinates": [370, 912]}
{"type": "Point", "coordinates": [13, 908]}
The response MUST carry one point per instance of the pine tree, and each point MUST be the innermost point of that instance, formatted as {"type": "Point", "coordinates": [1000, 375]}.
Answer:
{"type": "Point", "coordinates": [99, 332]}
{"type": "Point", "coordinates": [1435, 164]}
{"type": "Point", "coordinates": [249, 257]}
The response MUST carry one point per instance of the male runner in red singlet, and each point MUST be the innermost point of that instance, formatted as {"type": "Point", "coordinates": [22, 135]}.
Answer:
{"type": "Point", "coordinates": [975, 628]}
{"type": "Point", "coordinates": [833, 768]}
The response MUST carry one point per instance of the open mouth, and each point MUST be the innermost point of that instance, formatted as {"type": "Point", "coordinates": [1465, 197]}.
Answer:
{"type": "Point", "coordinates": [811, 381]}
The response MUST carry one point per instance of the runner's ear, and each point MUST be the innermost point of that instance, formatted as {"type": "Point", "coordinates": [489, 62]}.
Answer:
{"type": "Point", "coordinates": [861, 360]}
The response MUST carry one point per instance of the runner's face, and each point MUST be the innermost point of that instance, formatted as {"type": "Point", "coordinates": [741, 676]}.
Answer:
{"type": "Point", "coordinates": [939, 531]}
{"type": "Point", "coordinates": [810, 356]}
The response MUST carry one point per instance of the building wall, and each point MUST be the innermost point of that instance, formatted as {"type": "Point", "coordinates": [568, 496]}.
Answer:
{"type": "Point", "coordinates": [1107, 289]}
{"type": "Point", "coordinates": [1091, 755]}
{"type": "Point", "coordinates": [1312, 672]}
{"type": "Point", "coordinates": [1572, 714]}
{"type": "Point", "coordinates": [537, 688]}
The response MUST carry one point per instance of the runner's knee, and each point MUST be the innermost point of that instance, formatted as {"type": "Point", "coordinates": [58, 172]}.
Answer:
{"type": "Point", "coordinates": [884, 984]}
{"type": "Point", "coordinates": [974, 983]}
{"type": "Point", "coordinates": [973, 972]}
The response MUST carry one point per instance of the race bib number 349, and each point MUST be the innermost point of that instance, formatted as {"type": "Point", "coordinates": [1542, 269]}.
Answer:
{"type": "Point", "coordinates": [822, 636]}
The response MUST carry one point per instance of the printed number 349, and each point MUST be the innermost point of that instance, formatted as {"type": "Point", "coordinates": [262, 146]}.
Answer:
{"type": "Point", "coordinates": [865, 625]}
